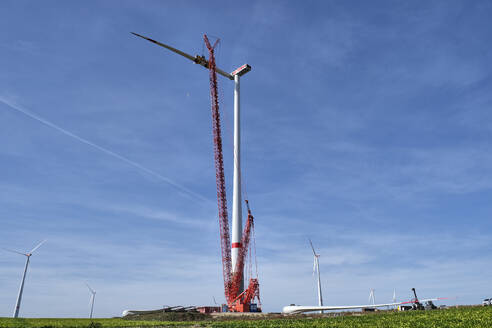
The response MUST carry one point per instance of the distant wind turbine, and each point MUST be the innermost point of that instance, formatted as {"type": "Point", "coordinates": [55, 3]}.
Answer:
{"type": "Point", "coordinates": [371, 297]}
{"type": "Point", "coordinates": [316, 268]}
{"type": "Point", "coordinates": [93, 296]}
{"type": "Point", "coordinates": [21, 288]}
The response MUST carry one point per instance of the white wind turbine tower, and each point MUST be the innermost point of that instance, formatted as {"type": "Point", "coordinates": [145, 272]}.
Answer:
{"type": "Point", "coordinates": [21, 288]}
{"type": "Point", "coordinates": [93, 296]}
{"type": "Point", "coordinates": [371, 297]}
{"type": "Point", "coordinates": [316, 268]}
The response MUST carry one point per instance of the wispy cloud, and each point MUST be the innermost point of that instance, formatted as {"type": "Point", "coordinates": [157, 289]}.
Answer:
{"type": "Point", "coordinates": [163, 215]}
{"type": "Point", "coordinates": [159, 176]}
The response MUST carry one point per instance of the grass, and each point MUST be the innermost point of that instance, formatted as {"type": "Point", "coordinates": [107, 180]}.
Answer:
{"type": "Point", "coordinates": [86, 323]}
{"type": "Point", "coordinates": [464, 317]}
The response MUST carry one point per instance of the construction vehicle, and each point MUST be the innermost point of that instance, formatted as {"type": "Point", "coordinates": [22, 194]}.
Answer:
{"type": "Point", "coordinates": [416, 305]}
{"type": "Point", "coordinates": [429, 305]}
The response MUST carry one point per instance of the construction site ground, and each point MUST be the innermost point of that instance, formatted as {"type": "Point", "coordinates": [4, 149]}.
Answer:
{"type": "Point", "coordinates": [456, 317]}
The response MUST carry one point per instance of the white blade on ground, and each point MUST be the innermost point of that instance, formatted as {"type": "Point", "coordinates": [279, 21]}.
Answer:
{"type": "Point", "coordinates": [292, 309]}
{"type": "Point", "coordinates": [431, 299]}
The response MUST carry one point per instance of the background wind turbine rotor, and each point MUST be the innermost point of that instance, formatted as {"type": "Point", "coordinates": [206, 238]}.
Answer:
{"type": "Point", "coordinates": [90, 289]}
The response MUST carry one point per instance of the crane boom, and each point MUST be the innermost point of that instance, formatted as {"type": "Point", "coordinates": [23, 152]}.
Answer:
{"type": "Point", "coordinates": [225, 243]}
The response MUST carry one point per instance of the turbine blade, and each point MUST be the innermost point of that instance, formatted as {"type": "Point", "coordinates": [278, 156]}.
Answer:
{"type": "Point", "coordinates": [312, 247]}
{"type": "Point", "coordinates": [12, 251]}
{"type": "Point", "coordinates": [90, 289]}
{"type": "Point", "coordinates": [197, 60]}
{"type": "Point", "coordinates": [39, 245]}
{"type": "Point", "coordinates": [314, 265]}
{"type": "Point", "coordinates": [179, 52]}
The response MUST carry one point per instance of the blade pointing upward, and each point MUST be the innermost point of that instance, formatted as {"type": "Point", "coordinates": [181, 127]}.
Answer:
{"type": "Point", "coordinates": [39, 245]}
{"type": "Point", "coordinates": [312, 247]}
{"type": "Point", "coordinates": [91, 290]}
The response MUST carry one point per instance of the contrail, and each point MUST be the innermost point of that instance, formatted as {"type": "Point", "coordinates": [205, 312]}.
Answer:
{"type": "Point", "coordinates": [104, 150]}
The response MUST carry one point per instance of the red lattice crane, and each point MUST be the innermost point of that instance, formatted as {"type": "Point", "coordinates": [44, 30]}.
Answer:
{"type": "Point", "coordinates": [237, 301]}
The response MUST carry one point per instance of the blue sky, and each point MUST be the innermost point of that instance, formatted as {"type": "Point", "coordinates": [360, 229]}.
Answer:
{"type": "Point", "coordinates": [367, 128]}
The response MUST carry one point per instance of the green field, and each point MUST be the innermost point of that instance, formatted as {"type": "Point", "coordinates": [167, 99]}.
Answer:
{"type": "Point", "coordinates": [466, 317]}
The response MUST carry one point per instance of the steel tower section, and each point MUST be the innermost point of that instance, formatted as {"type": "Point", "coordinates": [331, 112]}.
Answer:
{"type": "Point", "coordinates": [237, 220]}
{"type": "Point", "coordinates": [21, 289]}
